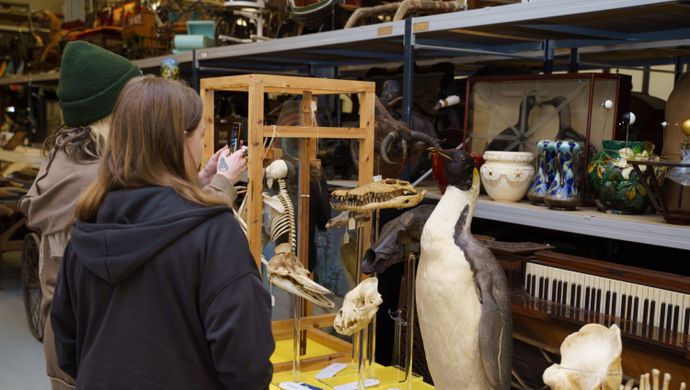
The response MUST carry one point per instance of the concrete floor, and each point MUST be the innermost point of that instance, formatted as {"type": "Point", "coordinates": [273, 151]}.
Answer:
{"type": "Point", "coordinates": [21, 356]}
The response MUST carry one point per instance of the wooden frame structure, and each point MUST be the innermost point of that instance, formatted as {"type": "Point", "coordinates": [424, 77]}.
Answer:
{"type": "Point", "coordinates": [256, 86]}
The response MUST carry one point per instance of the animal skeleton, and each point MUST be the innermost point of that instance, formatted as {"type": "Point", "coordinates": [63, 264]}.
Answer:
{"type": "Point", "coordinates": [282, 218]}
{"type": "Point", "coordinates": [383, 194]}
{"type": "Point", "coordinates": [288, 273]}
{"type": "Point", "coordinates": [590, 359]}
{"type": "Point", "coordinates": [645, 385]}
{"type": "Point", "coordinates": [359, 307]}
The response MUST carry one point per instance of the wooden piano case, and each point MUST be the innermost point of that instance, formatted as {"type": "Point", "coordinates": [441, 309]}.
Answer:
{"type": "Point", "coordinates": [544, 323]}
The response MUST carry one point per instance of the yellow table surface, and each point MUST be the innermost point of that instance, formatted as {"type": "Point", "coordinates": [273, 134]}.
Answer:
{"type": "Point", "coordinates": [389, 376]}
{"type": "Point", "coordinates": [283, 351]}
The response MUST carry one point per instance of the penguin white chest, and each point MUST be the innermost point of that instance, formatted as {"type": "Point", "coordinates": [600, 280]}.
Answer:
{"type": "Point", "coordinates": [449, 310]}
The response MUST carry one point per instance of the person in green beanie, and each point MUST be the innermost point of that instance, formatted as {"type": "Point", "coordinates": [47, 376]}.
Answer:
{"type": "Point", "coordinates": [90, 82]}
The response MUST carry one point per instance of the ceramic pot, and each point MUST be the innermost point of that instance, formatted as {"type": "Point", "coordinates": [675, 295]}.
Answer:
{"type": "Point", "coordinates": [545, 173]}
{"type": "Point", "coordinates": [618, 190]}
{"type": "Point", "coordinates": [564, 191]}
{"type": "Point", "coordinates": [506, 176]}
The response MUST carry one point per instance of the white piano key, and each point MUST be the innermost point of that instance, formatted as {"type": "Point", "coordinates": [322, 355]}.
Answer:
{"type": "Point", "coordinates": [656, 293]}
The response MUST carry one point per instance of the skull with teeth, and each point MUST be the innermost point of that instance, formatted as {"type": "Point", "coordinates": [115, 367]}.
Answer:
{"type": "Point", "coordinates": [384, 194]}
{"type": "Point", "coordinates": [359, 307]}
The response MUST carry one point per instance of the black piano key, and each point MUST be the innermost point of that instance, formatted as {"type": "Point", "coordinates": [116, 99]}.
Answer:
{"type": "Point", "coordinates": [645, 313]}
{"type": "Point", "coordinates": [669, 316]}
{"type": "Point", "coordinates": [686, 328]}
{"type": "Point", "coordinates": [598, 308]}
{"type": "Point", "coordinates": [613, 304]}
{"type": "Point", "coordinates": [554, 284]}
{"type": "Point", "coordinates": [636, 310]}
{"type": "Point", "coordinates": [587, 298]}
{"type": "Point", "coordinates": [534, 285]}
{"type": "Point", "coordinates": [565, 293]}
{"type": "Point", "coordinates": [629, 308]}
{"type": "Point", "coordinates": [652, 312]}
{"type": "Point", "coordinates": [546, 288]}
{"type": "Point", "coordinates": [607, 304]}
{"type": "Point", "coordinates": [573, 290]}
{"type": "Point", "coordinates": [559, 291]}
{"type": "Point", "coordinates": [528, 285]}
{"type": "Point", "coordinates": [624, 303]}
{"type": "Point", "coordinates": [676, 314]}
{"type": "Point", "coordinates": [541, 287]}
{"type": "Point", "coordinates": [579, 296]}
{"type": "Point", "coordinates": [662, 315]}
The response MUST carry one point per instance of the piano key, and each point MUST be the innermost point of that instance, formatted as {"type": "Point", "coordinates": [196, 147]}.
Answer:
{"type": "Point", "coordinates": [645, 312]}
{"type": "Point", "coordinates": [607, 304]}
{"type": "Point", "coordinates": [554, 289]}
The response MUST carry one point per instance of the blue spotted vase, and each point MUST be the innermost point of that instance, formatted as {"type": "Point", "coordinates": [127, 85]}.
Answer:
{"type": "Point", "coordinates": [545, 173]}
{"type": "Point", "coordinates": [564, 191]}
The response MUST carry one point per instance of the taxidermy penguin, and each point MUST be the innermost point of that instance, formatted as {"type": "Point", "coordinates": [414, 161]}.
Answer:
{"type": "Point", "coordinates": [463, 299]}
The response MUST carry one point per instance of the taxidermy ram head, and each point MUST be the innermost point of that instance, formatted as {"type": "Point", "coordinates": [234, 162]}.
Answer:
{"type": "Point", "coordinates": [359, 307]}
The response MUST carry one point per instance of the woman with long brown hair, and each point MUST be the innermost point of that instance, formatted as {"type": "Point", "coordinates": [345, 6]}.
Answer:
{"type": "Point", "coordinates": [158, 288]}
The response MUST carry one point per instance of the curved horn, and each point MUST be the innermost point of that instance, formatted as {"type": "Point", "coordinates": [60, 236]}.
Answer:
{"type": "Point", "coordinates": [426, 138]}
{"type": "Point", "coordinates": [385, 144]}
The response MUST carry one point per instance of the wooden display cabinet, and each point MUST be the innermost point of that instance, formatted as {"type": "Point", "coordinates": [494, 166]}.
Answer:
{"type": "Point", "coordinates": [513, 109]}
{"type": "Point", "coordinates": [256, 86]}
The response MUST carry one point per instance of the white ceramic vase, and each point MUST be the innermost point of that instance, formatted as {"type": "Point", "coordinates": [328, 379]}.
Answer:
{"type": "Point", "coordinates": [506, 176]}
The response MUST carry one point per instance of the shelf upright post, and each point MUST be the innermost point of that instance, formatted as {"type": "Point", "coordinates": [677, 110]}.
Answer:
{"type": "Point", "coordinates": [548, 56]}
{"type": "Point", "coordinates": [574, 65]}
{"type": "Point", "coordinates": [678, 62]}
{"type": "Point", "coordinates": [408, 72]}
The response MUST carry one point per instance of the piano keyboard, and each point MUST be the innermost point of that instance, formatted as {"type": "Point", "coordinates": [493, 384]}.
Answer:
{"type": "Point", "coordinates": [666, 310]}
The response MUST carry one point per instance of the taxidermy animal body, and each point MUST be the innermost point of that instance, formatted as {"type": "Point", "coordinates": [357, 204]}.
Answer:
{"type": "Point", "coordinates": [463, 299]}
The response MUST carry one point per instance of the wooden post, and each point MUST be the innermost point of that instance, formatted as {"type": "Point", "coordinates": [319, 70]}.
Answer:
{"type": "Point", "coordinates": [208, 118]}
{"type": "Point", "coordinates": [255, 167]}
{"type": "Point", "coordinates": [306, 150]}
{"type": "Point", "coordinates": [366, 148]}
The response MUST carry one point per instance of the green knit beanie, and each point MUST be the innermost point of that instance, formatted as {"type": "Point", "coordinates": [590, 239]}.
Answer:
{"type": "Point", "coordinates": [91, 79]}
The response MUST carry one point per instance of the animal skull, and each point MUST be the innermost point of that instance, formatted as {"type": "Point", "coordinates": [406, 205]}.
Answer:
{"type": "Point", "coordinates": [590, 359]}
{"type": "Point", "coordinates": [278, 169]}
{"type": "Point", "coordinates": [287, 272]}
{"type": "Point", "coordinates": [383, 194]}
{"type": "Point", "coordinates": [359, 307]}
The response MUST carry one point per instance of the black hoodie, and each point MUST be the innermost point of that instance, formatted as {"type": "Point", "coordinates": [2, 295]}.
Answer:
{"type": "Point", "coordinates": [160, 293]}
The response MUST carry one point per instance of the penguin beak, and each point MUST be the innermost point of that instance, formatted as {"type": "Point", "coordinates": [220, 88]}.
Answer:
{"type": "Point", "coordinates": [439, 152]}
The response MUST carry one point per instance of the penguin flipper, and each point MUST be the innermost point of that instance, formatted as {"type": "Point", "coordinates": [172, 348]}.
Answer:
{"type": "Point", "coordinates": [495, 337]}
{"type": "Point", "coordinates": [496, 326]}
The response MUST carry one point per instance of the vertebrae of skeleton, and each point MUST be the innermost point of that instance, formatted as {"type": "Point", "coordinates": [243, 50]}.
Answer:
{"type": "Point", "coordinates": [282, 223]}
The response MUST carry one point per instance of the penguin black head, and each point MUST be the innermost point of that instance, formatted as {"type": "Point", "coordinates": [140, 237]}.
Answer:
{"type": "Point", "coordinates": [458, 167]}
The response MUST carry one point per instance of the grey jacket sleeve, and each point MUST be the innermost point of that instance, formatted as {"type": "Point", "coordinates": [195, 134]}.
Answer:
{"type": "Point", "coordinates": [219, 185]}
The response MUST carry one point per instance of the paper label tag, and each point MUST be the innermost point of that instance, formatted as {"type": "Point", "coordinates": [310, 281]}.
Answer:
{"type": "Point", "coordinates": [330, 371]}
{"type": "Point", "coordinates": [351, 224]}
{"type": "Point", "coordinates": [353, 385]}
{"type": "Point", "coordinates": [378, 178]}
{"type": "Point", "coordinates": [292, 386]}
{"type": "Point", "coordinates": [346, 238]}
